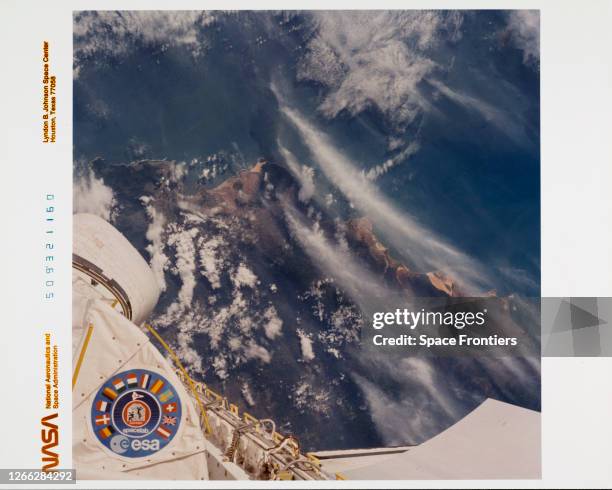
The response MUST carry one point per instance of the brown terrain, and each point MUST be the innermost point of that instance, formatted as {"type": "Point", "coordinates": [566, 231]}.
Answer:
{"type": "Point", "coordinates": [240, 195]}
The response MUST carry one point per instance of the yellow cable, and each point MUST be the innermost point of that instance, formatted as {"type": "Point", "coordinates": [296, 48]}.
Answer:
{"type": "Point", "coordinates": [75, 375]}
{"type": "Point", "coordinates": [187, 377]}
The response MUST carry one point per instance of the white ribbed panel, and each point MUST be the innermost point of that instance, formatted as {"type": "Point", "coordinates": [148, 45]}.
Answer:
{"type": "Point", "coordinates": [100, 243]}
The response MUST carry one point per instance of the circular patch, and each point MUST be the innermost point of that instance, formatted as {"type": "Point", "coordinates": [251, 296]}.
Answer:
{"type": "Point", "coordinates": [136, 413]}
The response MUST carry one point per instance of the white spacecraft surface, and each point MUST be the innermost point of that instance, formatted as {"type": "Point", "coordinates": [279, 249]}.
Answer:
{"type": "Point", "coordinates": [138, 415]}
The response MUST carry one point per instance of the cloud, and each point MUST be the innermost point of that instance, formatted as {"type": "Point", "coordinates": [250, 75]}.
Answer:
{"type": "Point", "coordinates": [257, 352]}
{"type": "Point", "coordinates": [376, 59]}
{"type": "Point", "coordinates": [519, 278]}
{"type": "Point", "coordinates": [379, 170]}
{"type": "Point", "coordinates": [309, 397]}
{"type": "Point", "coordinates": [524, 26]}
{"type": "Point", "coordinates": [429, 395]}
{"type": "Point", "coordinates": [158, 259]}
{"type": "Point", "coordinates": [379, 59]}
{"type": "Point", "coordinates": [274, 323]}
{"type": "Point", "coordinates": [360, 284]}
{"type": "Point", "coordinates": [303, 173]}
{"type": "Point", "coordinates": [244, 277]}
{"type": "Point", "coordinates": [423, 248]}
{"type": "Point", "coordinates": [423, 372]}
{"type": "Point", "coordinates": [408, 416]}
{"type": "Point", "coordinates": [211, 260]}
{"type": "Point", "coordinates": [245, 389]}
{"type": "Point", "coordinates": [187, 353]}
{"type": "Point", "coordinates": [235, 315]}
{"type": "Point", "coordinates": [103, 33]}
{"type": "Point", "coordinates": [504, 122]}
{"type": "Point", "coordinates": [305, 345]}
{"type": "Point", "coordinates": [92, 195]}
{"type": "Point", "coordinates": [184, 265]}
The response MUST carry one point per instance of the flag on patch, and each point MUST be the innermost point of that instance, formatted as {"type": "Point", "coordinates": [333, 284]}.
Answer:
{"type": "Point", "coordinates": [106, 432]}
{"type": "Point", "coordinates": [119, 385]}
{"type": "Point", "coordinates": [166, 395]}
{"type": "Point", "coordinates": [169, 420]}
{"type": "Point", "coordinates": [108, 393]}
{"type": "Point", "coordinates": [101, 406]}
{"type": "Point", "coordinates": [170, 407]}
{"type": "Point", "coordinates": [132, 380]}
{"type": "Point", "coordinates": [163, 431]}
{"type": "Point", "coordinates": [103, 419]}
{"type": "Point", "coordinates": [144, 381]}
{"type": "Point", "coordinates": [157, 386]}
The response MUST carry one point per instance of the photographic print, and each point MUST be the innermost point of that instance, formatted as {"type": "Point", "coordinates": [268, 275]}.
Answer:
{"type": "Point", "coordinates": [262, 200]}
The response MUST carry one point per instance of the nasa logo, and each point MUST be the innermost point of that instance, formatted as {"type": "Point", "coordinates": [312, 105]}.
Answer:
{"type": "Point", "coordinates": [129, 413]}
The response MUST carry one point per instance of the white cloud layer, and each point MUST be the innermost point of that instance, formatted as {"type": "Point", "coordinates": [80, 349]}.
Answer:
{"type": "Point", "coordinates": [303, 173]}
{"type": "Point", "coordinates": [185, 266]}
{"type": "Point", "coordinates": [209, 260]}
{"type": "Point", "coordinates": [360, 284]}
{"type": "Point", "coordinates": [237, 321]}
{"type": "Point", "coordinates": [305, 345]}
{"type": "Point", "coordinates": [110, 32]}
{"type": "Point", "coordinates": [92, 195]}
{"type": "Point", "coordinates": [524, 27]}
{"type": "Point", "coordinates": [421, 246]}
{"type": "Point", "coordinates": [376, 59]}
{"type": "Point", "coordinates": [503, 121]}
{"type": "Point", "coordinates": [410, 415]}
{"type": "Point", "coordinates": [379, 170]}
{"type": "Point", "coordinates": [158, 259]}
